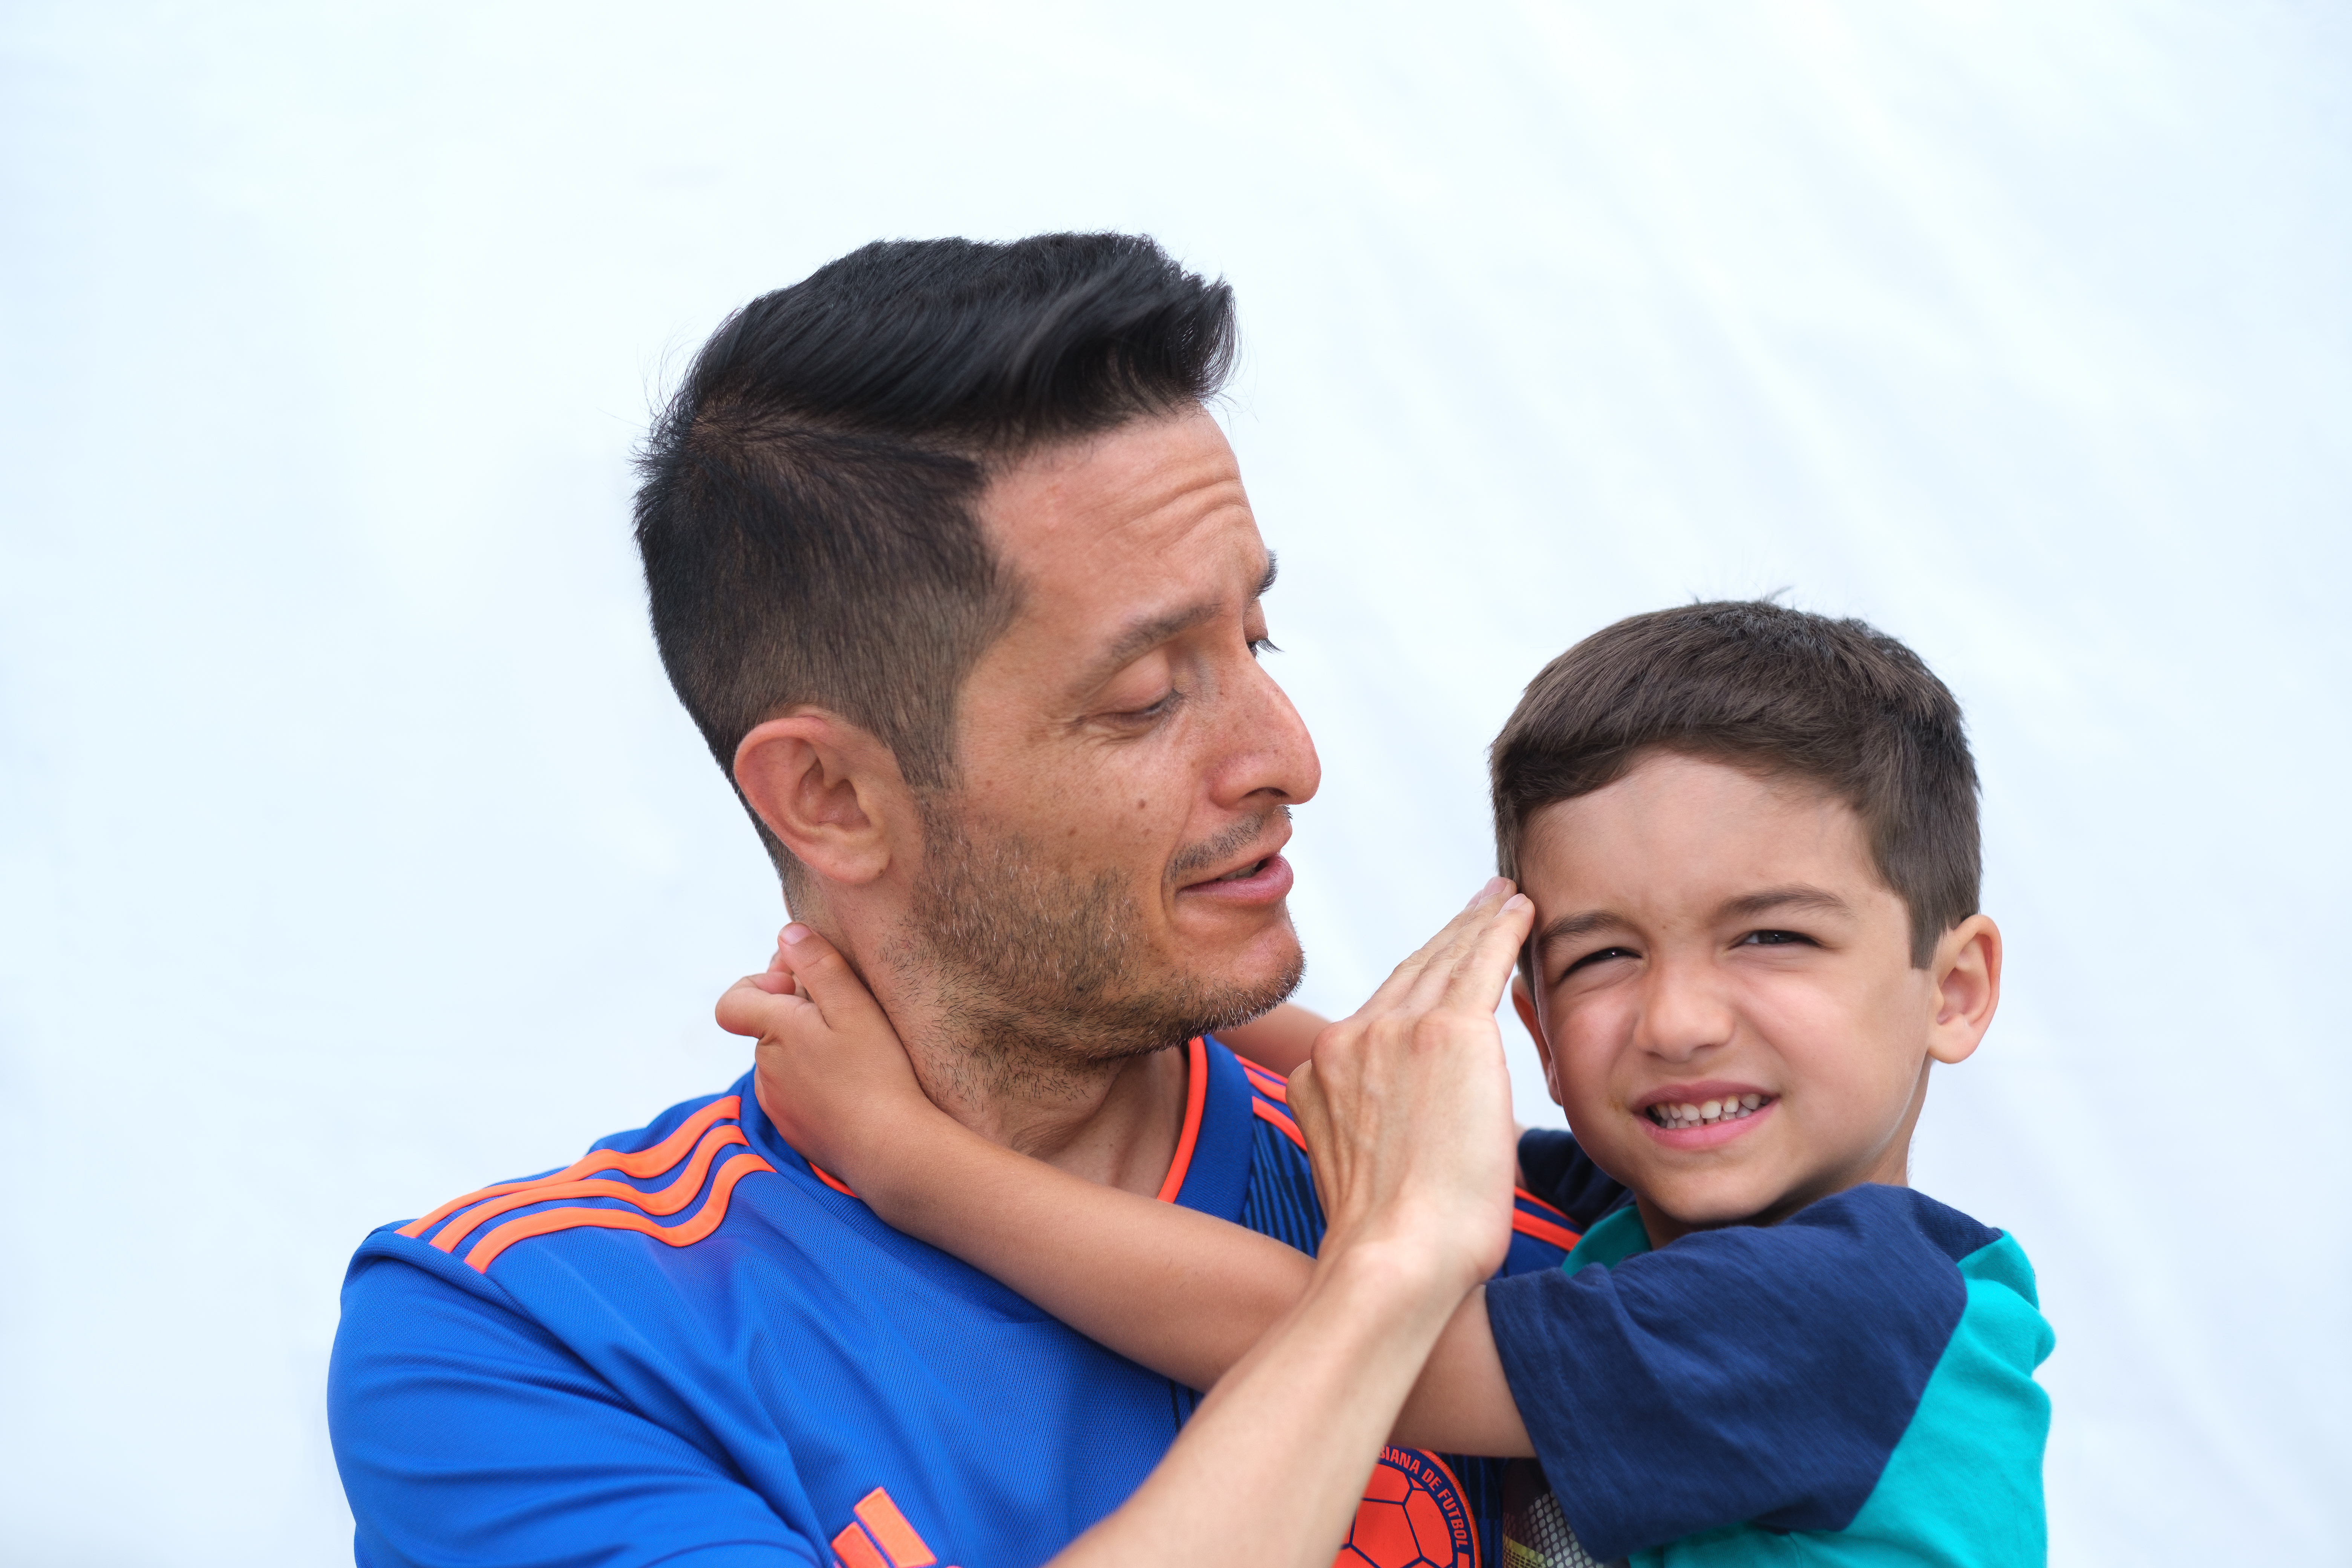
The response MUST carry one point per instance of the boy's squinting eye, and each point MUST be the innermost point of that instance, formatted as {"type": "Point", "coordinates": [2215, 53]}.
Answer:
{"type": "Point", "coordinates": [1602, 956]}
{"type": "Point", "coordinates": [1776, 939]}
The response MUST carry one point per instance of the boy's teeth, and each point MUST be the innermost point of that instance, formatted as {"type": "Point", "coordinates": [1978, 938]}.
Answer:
{"type": "Point", "coordinates": [1686, 1114]}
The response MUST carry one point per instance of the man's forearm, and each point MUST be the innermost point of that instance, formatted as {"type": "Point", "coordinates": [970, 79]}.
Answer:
{"type": "Point", "coordinates": [1287, 1439]}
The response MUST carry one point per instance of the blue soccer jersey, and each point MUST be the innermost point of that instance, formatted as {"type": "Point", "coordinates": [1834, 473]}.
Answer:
{"type": "Point", "coordinates": [693, 1347]}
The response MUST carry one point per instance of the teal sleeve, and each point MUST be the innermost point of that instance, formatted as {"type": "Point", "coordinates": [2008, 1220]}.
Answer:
{"type": "Point", "coordinates": [1963, 1488]}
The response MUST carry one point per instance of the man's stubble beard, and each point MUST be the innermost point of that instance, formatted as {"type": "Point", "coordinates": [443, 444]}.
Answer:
{"type": "Point", "coordinates": [1043, 975]}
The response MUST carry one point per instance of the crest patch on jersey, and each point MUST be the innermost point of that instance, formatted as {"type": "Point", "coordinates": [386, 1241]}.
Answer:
{"type": "Point", "coordinates": [1412, 1516]}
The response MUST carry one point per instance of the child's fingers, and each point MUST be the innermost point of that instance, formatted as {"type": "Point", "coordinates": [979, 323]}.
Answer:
{"type": "Point", "coordinates": [757, 1004]}
{"type": "Point", "coordinates": [827, 981]}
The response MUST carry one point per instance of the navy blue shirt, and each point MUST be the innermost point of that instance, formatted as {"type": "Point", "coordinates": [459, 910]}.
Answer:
{"type": "Point", "coordinates": [1853, 1384]}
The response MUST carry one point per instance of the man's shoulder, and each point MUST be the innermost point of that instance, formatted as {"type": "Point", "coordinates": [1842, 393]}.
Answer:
{"type": "Point", "coordinates": [674, 1182]}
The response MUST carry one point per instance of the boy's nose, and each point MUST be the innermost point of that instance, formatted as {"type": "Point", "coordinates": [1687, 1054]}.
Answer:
{"type": "Point", "coordinates": [1682, 1013]}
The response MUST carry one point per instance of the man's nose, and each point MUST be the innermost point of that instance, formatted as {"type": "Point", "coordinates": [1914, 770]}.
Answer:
{"type": "Point", "coordinates": [1268, 751]}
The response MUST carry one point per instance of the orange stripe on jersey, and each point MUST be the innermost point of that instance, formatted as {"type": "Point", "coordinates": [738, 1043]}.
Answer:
{"type": "Point", "coordinates": [1196, 1097]}
{"type": "Point", "coordinates": [1280, 1118]}
{"type": "Point", "coordinates": [1550, 1211]}
{"type": "Point", "coordinates": [1549, 1226]}
{"type": "Point", "coordinates": [1267, 1081]}
{"type": "Point", "coordinates": [892, 1533]}
{"type": "Point", "coordinates": [830, 1180]}
{"type": "Point", "coordinates": [641, 1164]}
{"type": "Point", "coordinates": [547, 1222]}
{"type": "Point", "coordinates": [660, 1201]}
{"type": "Point", "coordinates": [855, 1550]}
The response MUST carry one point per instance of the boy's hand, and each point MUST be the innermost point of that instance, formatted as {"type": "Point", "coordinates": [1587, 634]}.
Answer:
{"type": "Point", "coordinates": [831, 1073]}
{"type": "Point", "coordinates": [1406, 1105]}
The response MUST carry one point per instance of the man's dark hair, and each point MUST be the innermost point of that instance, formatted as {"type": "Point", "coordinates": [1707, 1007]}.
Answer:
{"type": "Point", "coordinates": [805, 508]}
{"type": "Point", "coordinates": [1777, 690]}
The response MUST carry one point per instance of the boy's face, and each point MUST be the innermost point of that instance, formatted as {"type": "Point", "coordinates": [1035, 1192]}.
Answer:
{"type": "Point", "coordinates": [1723, 993]}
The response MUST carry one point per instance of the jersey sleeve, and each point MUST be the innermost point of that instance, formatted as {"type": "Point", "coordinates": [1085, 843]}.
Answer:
{"type": "Point", "coordinates": [1744, 1375]}
{"type": "Point", "coordinates": [1560, 1172]}
{"type": "Point", "coordinates": [465, 1433]}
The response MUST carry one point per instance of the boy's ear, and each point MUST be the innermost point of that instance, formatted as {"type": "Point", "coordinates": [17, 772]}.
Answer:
{"type": "Point", "coordinates": [1966, 974]}
{"type": "Point", "coordinates": [1524, 1001]}
{"type": "Point", "coordinates": [829, 790]}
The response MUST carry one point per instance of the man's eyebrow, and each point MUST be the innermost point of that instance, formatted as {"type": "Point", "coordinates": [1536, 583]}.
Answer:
{"type": "Point", "coordinates": [1798, 897]}
{"type": "Point", "coordinates": [1146, 635]}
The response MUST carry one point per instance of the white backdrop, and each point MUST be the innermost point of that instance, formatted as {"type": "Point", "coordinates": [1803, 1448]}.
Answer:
{"type": "Point", "coordinates": [353, 851]}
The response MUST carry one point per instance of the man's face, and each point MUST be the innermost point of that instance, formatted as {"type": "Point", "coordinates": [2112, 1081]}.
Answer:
{"type": "Point", "coordinates": [1106, 877]}
{"type": "Point", "coordinates": [1725, 990]}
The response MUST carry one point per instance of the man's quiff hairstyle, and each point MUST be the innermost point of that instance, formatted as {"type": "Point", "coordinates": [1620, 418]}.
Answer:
{"type": "Point", "coordinates": [1777, 690]}
{"type": "Point", "coordinates": [806, 505]}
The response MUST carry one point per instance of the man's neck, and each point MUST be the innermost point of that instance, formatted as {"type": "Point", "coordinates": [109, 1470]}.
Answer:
{"type": "Point", "coordinates": [1116, 1123]}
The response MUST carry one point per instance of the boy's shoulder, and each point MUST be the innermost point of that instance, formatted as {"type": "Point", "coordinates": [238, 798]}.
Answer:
{"type": "Point", "coordinates": [1881, 1220]}
{"type": "Point", "coordinates": [1826, 1239]}
{"type": "Point", "coordinates": [1810, 1377]}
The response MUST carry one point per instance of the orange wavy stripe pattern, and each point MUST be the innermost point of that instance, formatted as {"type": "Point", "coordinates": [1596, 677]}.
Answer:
{"type": "Point", "coordinates": [714, 1209]}
{"type": "Point", "coordinates": [1267, 1083]}
{"type": "Point", "coordinates": [663, 1200]}
{"type": "Point", "coordinates": [641, 1164]}
{"type": "Point", "coordinates": [1280, 1118]}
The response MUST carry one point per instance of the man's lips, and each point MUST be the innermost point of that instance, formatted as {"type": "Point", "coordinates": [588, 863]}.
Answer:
{"type": "Point", "coordinates": [1262, 881]}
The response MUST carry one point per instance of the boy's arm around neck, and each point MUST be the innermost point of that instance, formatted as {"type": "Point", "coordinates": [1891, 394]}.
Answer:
{"type": "Point", "coordinates": [1182, 1292]}
{"type": "Point", "coordinates": [1178, 1291]}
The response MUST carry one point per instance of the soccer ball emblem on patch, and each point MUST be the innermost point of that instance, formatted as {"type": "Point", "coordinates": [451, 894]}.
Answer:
{"type": "Point", "coordinates": [1412, 1516]}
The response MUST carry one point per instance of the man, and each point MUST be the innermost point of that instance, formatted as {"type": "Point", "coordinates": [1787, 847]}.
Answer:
{"type": "Point", "coordinates": [959, 580]}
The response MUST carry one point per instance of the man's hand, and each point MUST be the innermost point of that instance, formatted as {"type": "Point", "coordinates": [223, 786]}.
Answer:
{"type": "Point", "coordinates": [831, 1073]}
{"type": "Point", "coordinates": [1406, 1104]}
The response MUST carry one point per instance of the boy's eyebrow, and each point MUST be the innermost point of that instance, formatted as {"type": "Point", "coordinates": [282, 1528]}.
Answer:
{"type": "Point", "coordinates": [1569, 927]}
{"type": "Point", "coordinates": [1820, 900]}
{"type": "Point", "coordinates": [1797, 896]}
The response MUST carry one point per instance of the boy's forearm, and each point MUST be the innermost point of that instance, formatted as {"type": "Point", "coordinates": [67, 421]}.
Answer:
{"type": "Point", "coordinates": [1182, 1293]}
{"type": "Point", "coordinates": [1279, 1041]}
{"type": "Point", "coordinates": [1462, 1403]}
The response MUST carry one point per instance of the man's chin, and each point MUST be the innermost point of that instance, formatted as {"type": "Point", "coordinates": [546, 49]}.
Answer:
{"type": "Point", "coordinates": [1252, 991]}
{"type": "Point", "coordinates": [1250, 949]}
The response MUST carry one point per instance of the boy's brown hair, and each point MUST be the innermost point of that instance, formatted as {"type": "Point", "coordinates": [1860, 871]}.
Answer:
{"type": "Point", "coordinates": [1776, 691]}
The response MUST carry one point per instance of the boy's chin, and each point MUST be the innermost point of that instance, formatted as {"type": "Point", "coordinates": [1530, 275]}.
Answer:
{"type": "Point", "coordinates": [1702, 1203]}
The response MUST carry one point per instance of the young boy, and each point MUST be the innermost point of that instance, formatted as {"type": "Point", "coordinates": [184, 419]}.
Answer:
{"type": "Point", "coordinates": [1749, 834]}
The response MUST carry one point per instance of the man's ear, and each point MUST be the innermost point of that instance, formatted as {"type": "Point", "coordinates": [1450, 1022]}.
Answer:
{"type": "Point", "coordinates": [1967, 973]}
{"type": "Point", "coordinates": [830, 791]}
{"type": "Point", "coordinates": [1524, 1001]}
